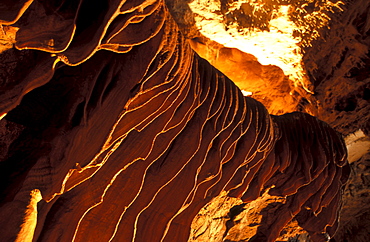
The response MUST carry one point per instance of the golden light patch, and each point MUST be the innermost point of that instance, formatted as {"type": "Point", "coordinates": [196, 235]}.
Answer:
{"type": "Point", "coordinates": [274, 31]}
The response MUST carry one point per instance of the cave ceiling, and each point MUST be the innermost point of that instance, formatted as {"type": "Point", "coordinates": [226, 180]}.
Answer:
{"type": "Point", "coordinates": [160, 120]}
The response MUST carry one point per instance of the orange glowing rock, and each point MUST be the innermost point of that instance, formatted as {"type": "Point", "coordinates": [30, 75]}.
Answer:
{"type": "Point", "coordinates": [132, 133]}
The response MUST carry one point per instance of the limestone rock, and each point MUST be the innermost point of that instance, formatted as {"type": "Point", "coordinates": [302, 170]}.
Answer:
{"type": "Point", "coordinates": [118, 131]}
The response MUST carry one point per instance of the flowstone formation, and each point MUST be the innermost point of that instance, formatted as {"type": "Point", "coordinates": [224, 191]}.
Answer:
{"type": "Point", "coordinates": [306, 55]}
{"type": "Point", "coordinates": [310, 56]}
{"type": "Point", "coordinates": [115, 130]}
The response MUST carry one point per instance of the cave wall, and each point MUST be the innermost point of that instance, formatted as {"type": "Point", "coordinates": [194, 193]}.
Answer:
{"type": "Point", "coordinates": [114, 121]}
{"type": "Point", "coordinates": [332, 39]}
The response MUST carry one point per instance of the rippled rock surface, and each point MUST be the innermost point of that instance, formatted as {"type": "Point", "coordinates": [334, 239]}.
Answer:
{"type": "Point", "coordinates": [115, 130]}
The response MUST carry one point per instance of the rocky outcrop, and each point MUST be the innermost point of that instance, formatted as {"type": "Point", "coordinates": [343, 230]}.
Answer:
{"type": "Point", "coordinates": [118, 131]}
{"type": "Point", "coordinates": [330, 43]}
{"type": "Point", "coordinates": [355, 213]}
{"type": "Point", "coordinates": [309, 56]}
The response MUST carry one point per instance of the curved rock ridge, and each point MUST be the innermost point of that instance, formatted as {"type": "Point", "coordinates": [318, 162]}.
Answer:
{"type": "Point", "coordinates": [128, 143]}
{"type": "Point", "coordinates": [314, 156]}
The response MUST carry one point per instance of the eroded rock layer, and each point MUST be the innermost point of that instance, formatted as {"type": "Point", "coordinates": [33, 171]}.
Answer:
{"type": "Point", "coordinates": [117, 131]}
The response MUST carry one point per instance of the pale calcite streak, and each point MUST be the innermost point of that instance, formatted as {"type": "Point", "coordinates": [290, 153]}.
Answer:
{"type": "Point", "coordinates": [358, 144]}
{"type": "Point", "coordinates": [30, 218]}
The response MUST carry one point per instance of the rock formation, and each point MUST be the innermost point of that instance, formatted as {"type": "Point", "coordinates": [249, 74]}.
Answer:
{"type": "Point", "coordinates": [327, 42]}
{"type": "Point", "coordinates": [115, 130]}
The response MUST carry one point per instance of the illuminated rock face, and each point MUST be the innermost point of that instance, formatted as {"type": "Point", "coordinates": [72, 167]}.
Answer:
{"type": "Point", "coordinates": [122, 133]}
{"type": "Point", "coordinates": [329, 40]}
{"type": "Point", "coordinates": [306, 55]}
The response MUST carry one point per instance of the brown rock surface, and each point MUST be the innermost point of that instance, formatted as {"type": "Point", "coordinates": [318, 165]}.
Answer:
{"type": "Point", "coordinates": [334, 53]}
{"type": "Point", "coordinates": [113, 122]}
{"type": "Point", "coordinates": [355, 219]}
